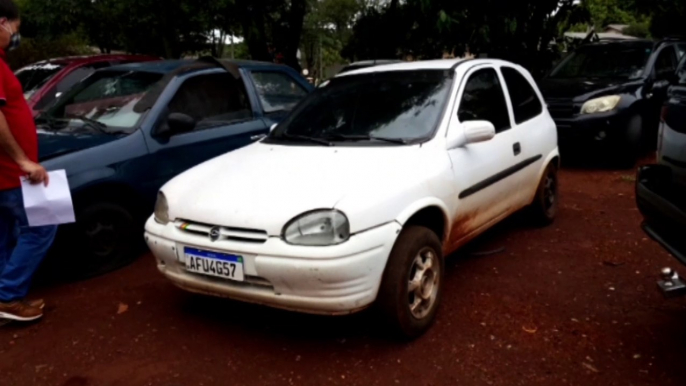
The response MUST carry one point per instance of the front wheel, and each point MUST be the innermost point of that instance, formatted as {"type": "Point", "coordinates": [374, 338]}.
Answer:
{"type": "Point", "coordinates": [412, 283]}
{"type": "Point", "coordinates": [106, 235]}
{"type": "Point", "coordinates": [629, 148]}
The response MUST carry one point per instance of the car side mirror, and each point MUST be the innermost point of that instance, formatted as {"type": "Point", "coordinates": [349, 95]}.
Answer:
{"type": "Point", "coordinates": [478, 131]}
{"type": "Point", "coordinates": [272, 127]}
{"type": "Point", "coordinates": [472, 132]}
{"type": "Point", "coordinates": [180, 123]}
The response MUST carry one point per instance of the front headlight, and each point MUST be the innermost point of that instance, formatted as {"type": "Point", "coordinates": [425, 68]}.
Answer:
{"type": "Point", "coordinates": [601, 105]}
{"type": "Point", "coordinates": [318, 228]}
{"type": "Point", "coordinates": [161, 209]}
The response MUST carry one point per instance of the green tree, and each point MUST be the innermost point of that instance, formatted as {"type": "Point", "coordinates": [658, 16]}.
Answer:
{"type": "Point", "coordinates": [328, 26]}
{"type": "Point", "coordinates": [271, 27]}
{"type": "Point", "coordinates": [667, 16]}
{"type": "Point", "coordinates": [518, 30]}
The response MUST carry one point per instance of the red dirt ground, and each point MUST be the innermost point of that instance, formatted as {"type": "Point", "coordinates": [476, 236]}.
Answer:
{"type": "Point", "coordinates": [572, 304]}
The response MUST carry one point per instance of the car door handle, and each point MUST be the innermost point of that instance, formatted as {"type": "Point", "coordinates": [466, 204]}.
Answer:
{"type": "Point", "coordinates": [258, 137]}
{"type": "Point", "coordinates": [517, 148]}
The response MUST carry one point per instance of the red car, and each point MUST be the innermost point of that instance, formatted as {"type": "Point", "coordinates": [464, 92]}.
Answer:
{"type": "Point", "coordinates": [44, 81]}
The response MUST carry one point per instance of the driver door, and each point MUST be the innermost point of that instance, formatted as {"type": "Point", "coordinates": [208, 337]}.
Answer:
{"type": "Point", "coordinates": [224, 121]}
{"type": "Point", "coordinates": [485, 187]}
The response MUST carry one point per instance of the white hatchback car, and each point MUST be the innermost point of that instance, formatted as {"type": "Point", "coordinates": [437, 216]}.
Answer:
{"type": "Point", "coordinates": [360, 193]}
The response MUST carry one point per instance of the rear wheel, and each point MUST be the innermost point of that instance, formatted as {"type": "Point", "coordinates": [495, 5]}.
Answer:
{"type": "Point", "coordinates": [545, 206]}
{"type": "Point", "coordinates": [412, 284]}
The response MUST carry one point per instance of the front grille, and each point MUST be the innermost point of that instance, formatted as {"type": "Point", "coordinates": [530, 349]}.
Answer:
{"type": "Point", "coordinates": [561, 109]}
{"type": "Point", "coordinates": [256, 236]}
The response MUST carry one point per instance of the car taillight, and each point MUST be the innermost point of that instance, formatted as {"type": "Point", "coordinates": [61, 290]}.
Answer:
{"type": "Point", "coordinates": [663, 113]}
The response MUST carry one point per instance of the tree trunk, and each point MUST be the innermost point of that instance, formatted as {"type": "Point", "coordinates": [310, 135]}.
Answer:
{"type": "Point", "coordinates": [222, 44]}
{"type": "Point", "coordinates": [296, 17]}
{"type": "Point", "coordinates": [252, 16]}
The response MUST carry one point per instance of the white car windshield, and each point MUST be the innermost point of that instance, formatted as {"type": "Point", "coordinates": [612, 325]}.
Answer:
{"type": "Point", "coordinates": [385, 107]}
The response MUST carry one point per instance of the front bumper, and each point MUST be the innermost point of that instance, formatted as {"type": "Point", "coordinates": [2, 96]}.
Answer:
{"type": "Point", "coordinates": [592, 130]}
{"type": "Point", "coordinates": [337, 279]}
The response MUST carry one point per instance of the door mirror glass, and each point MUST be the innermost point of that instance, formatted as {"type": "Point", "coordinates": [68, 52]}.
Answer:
{"type": "Point", "coordinates": [180, 123]}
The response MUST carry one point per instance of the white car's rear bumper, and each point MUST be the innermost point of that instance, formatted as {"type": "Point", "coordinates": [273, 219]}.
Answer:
{"type": "Point", "coordinates": [337, 279]}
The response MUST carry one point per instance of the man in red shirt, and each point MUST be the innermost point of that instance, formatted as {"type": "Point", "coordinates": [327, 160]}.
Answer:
{"type": "Point", "coordinates": [21, 247]}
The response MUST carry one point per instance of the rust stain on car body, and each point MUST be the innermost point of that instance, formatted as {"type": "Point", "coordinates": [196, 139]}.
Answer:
{"type": "Point", "coordinates": [462, 226]}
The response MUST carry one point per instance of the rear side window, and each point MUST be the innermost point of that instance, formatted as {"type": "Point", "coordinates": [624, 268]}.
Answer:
{"type": "Point", "coordinates": [665, 64]}
{"type": "Point", "coordinates": [525, 102]}
{"type": "Point", "coordinates": [483, 99]}
{"type": "Point", "coordinates": [34, 77]}
{"type": "Point", "coordinates": [277, 91]}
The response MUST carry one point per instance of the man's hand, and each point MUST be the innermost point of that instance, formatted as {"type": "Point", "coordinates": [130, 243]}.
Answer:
{"type": "Point", "coordinates": [35, 172]}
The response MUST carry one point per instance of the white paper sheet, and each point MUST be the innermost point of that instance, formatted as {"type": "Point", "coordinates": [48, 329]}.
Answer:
{"type": "Point", "coordinates": [48, 205]}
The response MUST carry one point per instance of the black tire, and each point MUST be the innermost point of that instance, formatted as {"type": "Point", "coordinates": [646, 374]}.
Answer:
{"type": "Point", "coordinates": [394, 294]}
{"type": "Point", "coordinates": [629, 148]}
{"type": "Point", "coordinates": [546, 202]}
{"type": "Point", "coordinates": [106, 236]}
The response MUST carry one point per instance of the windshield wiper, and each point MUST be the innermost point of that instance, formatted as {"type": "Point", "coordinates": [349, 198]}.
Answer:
{"type": "Point", "coordinates": [307, 139]}
{"type": "Point", "coordinates": [101, 127]}
{"type": "Point", "coordinates": [365, 137]}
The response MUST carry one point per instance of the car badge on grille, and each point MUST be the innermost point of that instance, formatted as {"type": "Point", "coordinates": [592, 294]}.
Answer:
{"type": "Point", "coordinates": [214, 233]}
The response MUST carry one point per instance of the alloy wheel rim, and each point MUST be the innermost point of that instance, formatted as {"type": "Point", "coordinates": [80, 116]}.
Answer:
{"type": "Point", "coordinates": [103, 236]}
{"type": "Point", "coordinates": [423, 283]}
{"type": "Point", "coordinates": [550, 192]}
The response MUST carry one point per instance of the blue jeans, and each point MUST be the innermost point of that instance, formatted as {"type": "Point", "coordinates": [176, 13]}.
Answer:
{"type": "Point", "coordinates": [22, 248]}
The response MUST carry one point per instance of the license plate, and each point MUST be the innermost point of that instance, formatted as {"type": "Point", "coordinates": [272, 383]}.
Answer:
{"type": "Point", "coordinates": [214, 264]}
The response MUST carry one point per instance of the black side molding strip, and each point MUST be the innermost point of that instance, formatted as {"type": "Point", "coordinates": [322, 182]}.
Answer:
{"type": "Point", "coordinates": [500, 176]}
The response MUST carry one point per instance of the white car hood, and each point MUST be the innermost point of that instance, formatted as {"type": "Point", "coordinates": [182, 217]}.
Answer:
{"type": "Point", "coordinates": [264, 186]}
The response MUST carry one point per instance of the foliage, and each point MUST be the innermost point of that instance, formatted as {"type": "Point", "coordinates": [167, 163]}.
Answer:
{"type": "Point", "coordinates": [638, 29]}
{"type": "Point", "coordinates": [518, 30]}
{"type": "Point", "coordinates": [34, 50]}
{"type": "Point", "coordinates": [328, 25]}
{"type": "Point", "coordinates": [668, 16]}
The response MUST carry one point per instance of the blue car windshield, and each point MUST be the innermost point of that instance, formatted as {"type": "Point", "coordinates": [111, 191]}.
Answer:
{"type": "Point", "coordinates": [385, 107]}
{"type": "Point", "coordinates": [104, 101]}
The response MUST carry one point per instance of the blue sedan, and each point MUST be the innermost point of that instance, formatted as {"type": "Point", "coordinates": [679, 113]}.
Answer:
{"type": "Point", "coordinates": [123, 132]}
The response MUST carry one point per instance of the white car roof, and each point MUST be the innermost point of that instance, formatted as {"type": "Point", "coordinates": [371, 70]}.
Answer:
{"type": "Point", "coordinates": [439, 64]}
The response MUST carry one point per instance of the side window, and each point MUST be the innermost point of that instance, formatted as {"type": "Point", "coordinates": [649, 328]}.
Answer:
{"type": "Point", "coordinates": [277, 90]}
{"type": "Point", "coordinates": [680, 50]}
{"type": "Point", "coordinates": [665, 64]}
{"type": "Point", "coordinates": [483, 99]}
{"type": "Point", "coordinates": [67, 83]}
{"type": "Point", "coordinates": [212, 100]}
{"type": "Point", "coordinates": [681, 72]}
{"type": "Point", "coordinates": [525, 102]}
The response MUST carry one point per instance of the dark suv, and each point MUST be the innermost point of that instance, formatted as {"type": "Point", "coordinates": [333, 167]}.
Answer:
{"type": "Point", "coordinates": [661, 188]}
{"type": "Point", "coordinates": [608, 95]}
